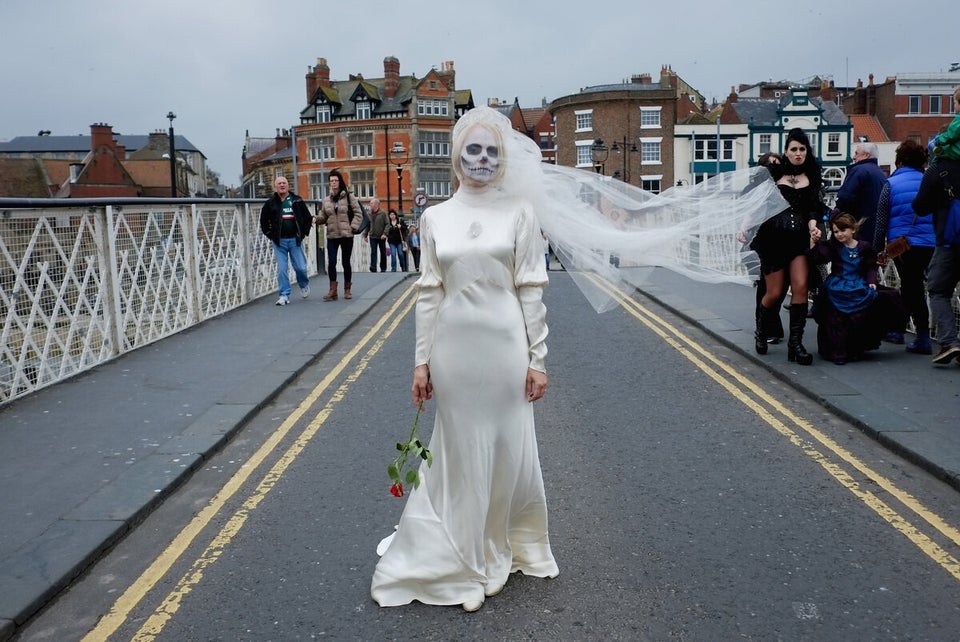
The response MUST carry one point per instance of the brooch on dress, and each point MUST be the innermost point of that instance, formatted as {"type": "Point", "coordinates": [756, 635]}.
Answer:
{"type": "Point", "coordinates": [475, 229]}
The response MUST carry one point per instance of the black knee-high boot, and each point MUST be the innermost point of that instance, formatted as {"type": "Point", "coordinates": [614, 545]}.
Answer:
{"type": "Point", "coordinates": [795, 350]}
{"type": "Point", "coordinates": [760, 333]}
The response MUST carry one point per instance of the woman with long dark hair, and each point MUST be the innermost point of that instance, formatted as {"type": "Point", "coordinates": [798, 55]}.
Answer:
{"type": "Point", "coordinates": [782, 240]}
{"type": "Point", "coordinates": [342, 213]}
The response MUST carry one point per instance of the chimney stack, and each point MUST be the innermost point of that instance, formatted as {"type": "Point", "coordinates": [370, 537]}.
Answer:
{"type": "Point", "coordinates": [318, 76]}
{"type": "Point", "coordinates": [391, 77]}
{"type": "Point", "coordinates": [101, 135]}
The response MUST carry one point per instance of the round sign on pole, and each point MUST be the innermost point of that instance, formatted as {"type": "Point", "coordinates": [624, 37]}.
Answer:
{"type": "Point", "coordinates": [420, 199]}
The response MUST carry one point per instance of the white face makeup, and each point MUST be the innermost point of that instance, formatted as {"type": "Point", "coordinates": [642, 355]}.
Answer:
{"type": "Point", "coordinates": [480, 157]}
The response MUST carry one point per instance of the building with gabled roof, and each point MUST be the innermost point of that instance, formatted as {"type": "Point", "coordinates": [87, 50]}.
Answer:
{"type": "Point", "coordinates": [104, 163]}
{"type": "Point", "coordinates": [389, 136]}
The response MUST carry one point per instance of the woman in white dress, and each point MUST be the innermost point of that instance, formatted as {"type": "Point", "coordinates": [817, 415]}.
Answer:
{"type": "Point", "coordinates": [480, 512]}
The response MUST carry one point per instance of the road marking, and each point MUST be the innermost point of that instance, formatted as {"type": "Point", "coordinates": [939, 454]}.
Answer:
{"type": "Point", "coordinates": [136, 592]}
{"type": "Point", "coordinates": [687, 346]}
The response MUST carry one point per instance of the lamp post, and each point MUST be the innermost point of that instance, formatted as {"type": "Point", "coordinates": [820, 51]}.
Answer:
{"type": "Point", "coordinates": [173, 157]}
{"type": "Point", "coordinates": [621, 148]}
{"type": "Point", "coordinates": [599, 152]}
{"type": "Point", "coordinates": [399, 155]}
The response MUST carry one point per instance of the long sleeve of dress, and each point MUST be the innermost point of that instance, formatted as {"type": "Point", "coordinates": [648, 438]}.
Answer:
{"type": "Point", "coordinates": [430, 296]}
{"type": "Point", "coordinates": [535, 319]}
{"type": "Point", "coordinates": [428, 306]}
{"type": "Point", "coordinates": [530, 277]}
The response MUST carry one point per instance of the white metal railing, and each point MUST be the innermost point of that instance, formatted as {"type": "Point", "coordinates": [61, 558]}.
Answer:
{"type": "Point", "coordinates": [84, 281]}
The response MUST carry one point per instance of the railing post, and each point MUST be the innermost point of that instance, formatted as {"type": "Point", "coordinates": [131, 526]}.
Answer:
{"type": "Point", "coordinates": [246, 258]}
{"type": "Point", "coordinates": [192, 226]}
{"type": "Point", "coordinates": [109, 268]}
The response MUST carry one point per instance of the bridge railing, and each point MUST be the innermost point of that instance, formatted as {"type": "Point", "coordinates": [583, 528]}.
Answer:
{"type": "Point", "coordinates": [85, 280]}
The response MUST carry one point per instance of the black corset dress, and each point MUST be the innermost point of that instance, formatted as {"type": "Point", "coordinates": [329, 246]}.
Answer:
{"type": "Point", "coordinates": [786, 235]}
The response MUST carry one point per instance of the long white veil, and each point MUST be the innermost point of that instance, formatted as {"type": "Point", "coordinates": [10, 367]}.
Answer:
{"type": "Point", "coordinates": [600, 226]}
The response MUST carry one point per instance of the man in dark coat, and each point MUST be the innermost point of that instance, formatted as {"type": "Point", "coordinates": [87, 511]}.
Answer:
{"type": "Point", "coordinates": [286, 221]}
{"type": "Point", "coordinates": [861, 189]}
{"type": "Point", "coordinates": [377, 236]}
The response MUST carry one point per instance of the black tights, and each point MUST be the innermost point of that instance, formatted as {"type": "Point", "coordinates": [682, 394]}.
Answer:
{"type": "Point", "coordinates": [345, 245]}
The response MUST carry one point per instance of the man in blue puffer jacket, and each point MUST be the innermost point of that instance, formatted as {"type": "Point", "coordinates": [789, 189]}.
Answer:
{"type": "Point", "coordinates": [896, 218]}
{"type": "Point", "coordinates": [861, 189]}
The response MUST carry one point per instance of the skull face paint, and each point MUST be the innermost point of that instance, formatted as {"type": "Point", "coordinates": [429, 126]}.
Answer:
{"type": "Point", "coordinates": [480, 157]}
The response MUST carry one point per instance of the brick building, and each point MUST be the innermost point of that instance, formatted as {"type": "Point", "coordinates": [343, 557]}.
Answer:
{"type": "Point", "coordinates": [389, 136]}
{"type": "Point", "coordinates": [625, 130]}
{"type": "Point", "coordinates": [102, 165]}
{"type": "Point", "coordinates": [909, 105]}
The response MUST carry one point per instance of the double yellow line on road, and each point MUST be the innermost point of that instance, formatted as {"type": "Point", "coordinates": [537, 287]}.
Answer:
{"type": "Point", "coordinates": [778, 416]}
{"type": "Point", "coordinates": [373, 340]}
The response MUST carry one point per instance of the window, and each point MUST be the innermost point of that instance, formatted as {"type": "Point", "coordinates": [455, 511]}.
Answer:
{"type": "Point", "coordinates": [935, 104]}
{"type": "Point", "coordinates": [649, 117]}
{"type": "Point", "coordinates": [434, 144]}
{"type": "Point", "coordinates": [833, 143]}
{"type": "Point", "coordinates": [706, 149]}
{"type": "Point", "coordinates": [764, 145]}
{"type": "Point", "coordinates": [363, 110]}
{"type": "Point", "coordinates": [651, 183]}
{"type": "Point", "coordinates": [361, 145]}
{"type": "Point", "coordinates": [650, 151]}
{"type": "Point", "coordinates": [318, 186]}
{"type": "Point", "coordinates": [545, 141]}
{"type": "Point", "coordinates": [324, 114]}
{"type": "Point", "coordinates": [832, 177]}
{"type": "Point", "coordinates": [320, 148]}
{"type": "Point", "coordinates": [433, 107]}
{"type": "Point", "coordinates": [584, 153]}
{"type": "Point", "coordinates": [913, 105]}
{"type": "Point", "coordinates": [435, 182]}
{"type": "Point", "coordinates": [361, 181]}
{"type": "Point", "coordinates": [584, 121]}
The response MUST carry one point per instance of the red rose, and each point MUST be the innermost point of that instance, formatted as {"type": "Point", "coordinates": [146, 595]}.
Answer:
{"type": "Point", "coordinates": [397, 490]}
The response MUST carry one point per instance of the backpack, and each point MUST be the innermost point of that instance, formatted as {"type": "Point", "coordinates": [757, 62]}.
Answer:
{"type": "Point", "coordinates": [951, 231]}
{"type": "Point", "coordinates": [364, 222]}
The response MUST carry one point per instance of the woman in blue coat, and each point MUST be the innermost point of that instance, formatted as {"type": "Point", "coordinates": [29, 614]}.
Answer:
{"type": "Point", "coordinates": [896, 218]}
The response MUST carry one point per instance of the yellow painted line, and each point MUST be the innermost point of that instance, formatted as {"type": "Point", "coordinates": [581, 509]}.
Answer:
{"type": "Point", "coordinates": [136, 592]}
{"type": "Point", "coordinates": [930, 548]}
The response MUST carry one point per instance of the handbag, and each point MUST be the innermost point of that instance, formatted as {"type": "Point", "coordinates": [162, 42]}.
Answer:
{"type": "Point", "coordinates": [896, 247]}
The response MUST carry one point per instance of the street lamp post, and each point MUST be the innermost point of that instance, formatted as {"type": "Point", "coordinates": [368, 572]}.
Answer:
{"type": "Point", "coordinates": [173, 158]}
{"type": "Point", "coordinates": [599, 152]}
{"type": "Point", "coordinates": [621, 148]}
{"type": "Point", "coordinates": [400, 156]}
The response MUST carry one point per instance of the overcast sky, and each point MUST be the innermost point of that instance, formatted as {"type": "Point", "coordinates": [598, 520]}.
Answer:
{"type": "Point", "coordinates": [228, 66]}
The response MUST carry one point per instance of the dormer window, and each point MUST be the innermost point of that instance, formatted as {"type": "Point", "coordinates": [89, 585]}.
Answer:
{"type": "Point", "coordinates": [363, 110]}
{"type": "Point", "coordinates": [324, 114]}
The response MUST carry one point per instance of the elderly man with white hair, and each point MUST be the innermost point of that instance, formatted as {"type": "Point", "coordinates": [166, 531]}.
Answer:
{"type": "Point", "coordinates": [861, 189]}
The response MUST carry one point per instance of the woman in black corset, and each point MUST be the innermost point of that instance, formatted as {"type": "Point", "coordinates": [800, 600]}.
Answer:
{"type": "Point", "coordinates": [782, 240]}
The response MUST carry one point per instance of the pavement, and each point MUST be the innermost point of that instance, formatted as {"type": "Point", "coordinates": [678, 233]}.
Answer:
{"type": "Point", "coordinates": [86, 459]}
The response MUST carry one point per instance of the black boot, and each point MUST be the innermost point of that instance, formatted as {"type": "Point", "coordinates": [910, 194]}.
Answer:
{"type": "Point", "coordinates": [759, 334]}
{"type": "Point", "coordinates": [795, 350]}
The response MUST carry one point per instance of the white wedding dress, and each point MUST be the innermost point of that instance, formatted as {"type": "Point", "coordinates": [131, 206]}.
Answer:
{"type": "Point", "coordinates": [480, 512]}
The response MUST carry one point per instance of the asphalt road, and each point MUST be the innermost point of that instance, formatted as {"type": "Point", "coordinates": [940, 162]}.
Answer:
{"type": "Point", "coordinates": [692, 497]}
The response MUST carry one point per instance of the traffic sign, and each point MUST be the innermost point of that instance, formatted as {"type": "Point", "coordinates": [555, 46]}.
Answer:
{"type": "Point", "coordinates": [420, 199]}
